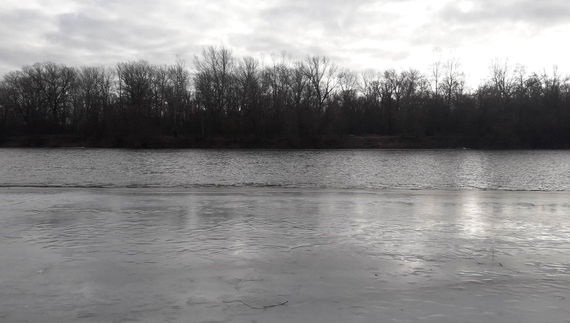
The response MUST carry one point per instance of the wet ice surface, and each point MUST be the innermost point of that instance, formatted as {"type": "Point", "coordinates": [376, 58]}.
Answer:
{"type": "Point", "coordinates": [222, 255]}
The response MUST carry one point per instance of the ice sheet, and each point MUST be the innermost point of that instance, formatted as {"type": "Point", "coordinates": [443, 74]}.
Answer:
{"type": "Point", "coordinates": [283, 255]}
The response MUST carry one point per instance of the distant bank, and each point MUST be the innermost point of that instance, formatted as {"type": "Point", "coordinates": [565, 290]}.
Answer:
{"type": "Point", "coordinates": [219, 142]}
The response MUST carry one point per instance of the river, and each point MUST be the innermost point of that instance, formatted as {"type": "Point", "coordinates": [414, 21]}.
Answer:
{"type": "Point", "coordinates": [91, 235]}
{"type": "Point", "coordinates": [519, 170]}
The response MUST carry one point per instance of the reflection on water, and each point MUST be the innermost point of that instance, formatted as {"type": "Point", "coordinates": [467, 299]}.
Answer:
{"type": "Point", "coordinates": [154, 254]}
{"type": "Point", "coordinates": [352, 169]}
{"type": "Point", "coordinates": [474, 220]}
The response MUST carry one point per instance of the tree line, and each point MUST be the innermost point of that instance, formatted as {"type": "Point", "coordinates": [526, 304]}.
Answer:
{"type": "Point", "coordinates": [231, 97]}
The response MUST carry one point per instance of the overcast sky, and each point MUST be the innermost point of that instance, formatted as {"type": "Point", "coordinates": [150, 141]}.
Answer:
{"type": "Point", "coordinates": [354, 34]}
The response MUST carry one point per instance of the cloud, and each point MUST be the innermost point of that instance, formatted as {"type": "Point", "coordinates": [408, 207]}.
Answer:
{"type": "Point", "coordinates": [485, 21]}
{"type": "Point", "coordinates": [536, 14]}
{"type": "Point", "coordinates": [356, 34]}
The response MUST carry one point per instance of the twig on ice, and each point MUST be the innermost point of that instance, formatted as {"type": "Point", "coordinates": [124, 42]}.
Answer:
{"type": "Point", "coordinates": [470, 257]}
{"type": "Point", "coordinates": [120, 317]}
{"type": "Point", "coordinates": [255, 307]}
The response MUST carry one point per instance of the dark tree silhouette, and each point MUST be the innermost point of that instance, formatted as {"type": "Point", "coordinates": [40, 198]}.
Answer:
{"type": "Point", "coordinates": [304, 101]}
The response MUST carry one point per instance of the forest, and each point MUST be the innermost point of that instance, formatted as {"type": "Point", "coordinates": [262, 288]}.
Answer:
{"type": "Point", "coordinates": [224, 100]}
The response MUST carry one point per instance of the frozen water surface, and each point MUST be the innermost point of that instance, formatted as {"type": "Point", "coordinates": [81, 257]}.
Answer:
{"type": "Point", "coordinates": [283, 255]}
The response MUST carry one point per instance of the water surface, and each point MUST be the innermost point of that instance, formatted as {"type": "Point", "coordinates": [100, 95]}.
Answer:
{"type": "Point", "coordinates": [340, 169]}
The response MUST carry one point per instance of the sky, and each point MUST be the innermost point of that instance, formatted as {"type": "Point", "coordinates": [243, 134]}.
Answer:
{"type": "Point", "coordinates": [358, 34]}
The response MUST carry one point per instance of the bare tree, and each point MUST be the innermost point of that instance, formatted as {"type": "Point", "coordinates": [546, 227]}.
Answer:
{"type": "Point", "coordinates": [321, 73]}
{"type": "Point", "coordinates": [214, 77]}
{"type": "Point", "coordinates": [347, 80]}
{"type": "Point", "coordinates": [135, 80]}
{"type": "Point", "coordinates": [276, 89]}
{"type": "Point", "coordinates": [20, 96]}
{"type": "Point", "coordinates": [54, 83]}
{"type": "Point", "coordinates": [214, 82]}
{"type": "Point", "coordinates": [298, 87]}
{"type": "Point", "coordinates": [502, 80]}
{"type": "Point", "coordinates": [179, 99]}
{"type": "Point", "coordinates": [249, 91]}
{"type": "Point", "coordinates": [436, 72]}
{"type": "Point", "coordinates": [453, 81]}
{"type": "Point", "coordinates": [94, 95]}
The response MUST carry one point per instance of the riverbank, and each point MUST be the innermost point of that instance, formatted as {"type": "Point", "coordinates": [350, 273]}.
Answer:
{"type": "Point", "coordinates": [323, 142]}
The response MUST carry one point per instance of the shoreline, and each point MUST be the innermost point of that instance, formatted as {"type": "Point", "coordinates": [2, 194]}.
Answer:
{"type": "Point", "coordinates": [220, 142]}
{"type": "Point", "coordinates": [273, 189]}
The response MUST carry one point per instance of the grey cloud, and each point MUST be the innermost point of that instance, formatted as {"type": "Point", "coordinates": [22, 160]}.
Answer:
{"type": "Point", "coordinates": [536, 13]}
{"type": "Point", "coordinates": [22, 25]}
{"type": "Point", "coordinates": [338, 24]}
{"type": "Point", "coordinates": [20, 34]}
{"type": "Point", "coordinates": [15, 58]}
{"type": "Point", "coordinates": [446, 36]}
{"type": "Point", "coordinates": [386, 54]}
{"type": "Point", "coordinates": [79, 31]}
{"type": "Point", "coordinates": [343, 56]}
{"type": "Point", "coordinates": [20, 17]}
{"type": "Point", "coordinates": [101, 32]}
{"type": "Point", "coordinates": [270, 44]}
{"type": "Point", "coordinates": [103, 29]}
{"type": "Point", "coordinates": [452, 28]}
{"type": "Point", "coordinates": [335, 17]}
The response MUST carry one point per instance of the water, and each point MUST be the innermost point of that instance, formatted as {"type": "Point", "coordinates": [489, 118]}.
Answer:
{"type": "Point", "coordinates": [191, 255]}
{"type": "Point", "coordinates": [91, 235]}
{"type": "Point", "coordinates": [339, 169]}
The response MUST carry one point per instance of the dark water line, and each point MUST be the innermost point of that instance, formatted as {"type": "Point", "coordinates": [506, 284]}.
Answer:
{"type": "Point", "coordinates": [206, 186]}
